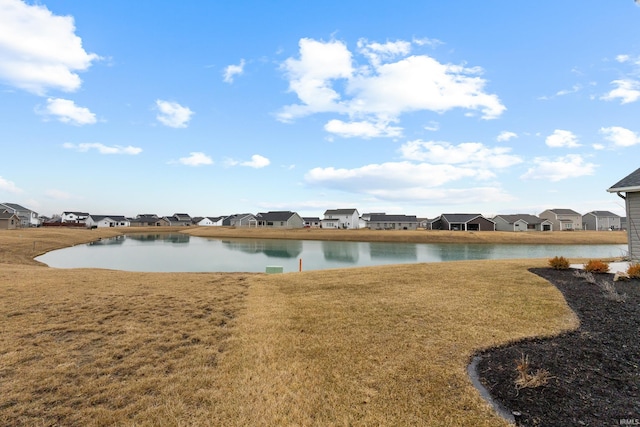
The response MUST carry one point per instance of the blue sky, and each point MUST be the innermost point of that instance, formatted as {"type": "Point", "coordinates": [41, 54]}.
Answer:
{"type": "Point", "coordinates": [413, 107]}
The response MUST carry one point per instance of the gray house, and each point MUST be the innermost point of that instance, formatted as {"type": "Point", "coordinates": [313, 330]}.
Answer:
{"type": "Point", "coordinates": [393, 222]}
{"type": "Point", "coordinates": [240, 220]}
{"type": "Point", "coordinates": [28, 218]}
{"type": "Point", "coordinates": [279, 219]}
{"type": "Point", "coordinates": [601, 220]}
{"type": "Point", "coordinates": [463, 222]}
{"type": "Point", "coordinates": [522, 222]}
{"type": "Point", "coordinates": [630, 186]}
{"type": "Point", "coordinates": [563, 219]}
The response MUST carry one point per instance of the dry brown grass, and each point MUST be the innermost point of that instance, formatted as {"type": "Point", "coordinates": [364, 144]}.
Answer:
{"type": "Point", "coordinates": [366, 346]}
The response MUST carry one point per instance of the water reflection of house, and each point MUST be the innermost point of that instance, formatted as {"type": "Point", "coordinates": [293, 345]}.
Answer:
{"type": "Point", "coordinates": [270, 247]}
{"type": "Point", "coordinates": [117, 240]}
{"type": "Point", "coordinates": [402, 251]}
{"type": "Point", "coordinates": [165, 237]}
{"type": "Point", "coordinates": [341, 251]}
{"type": "Point", "coordinates": [630, 186]}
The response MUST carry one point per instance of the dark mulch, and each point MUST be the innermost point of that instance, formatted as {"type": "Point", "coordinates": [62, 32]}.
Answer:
{"type": "Point", "coordinates": [595, 371]}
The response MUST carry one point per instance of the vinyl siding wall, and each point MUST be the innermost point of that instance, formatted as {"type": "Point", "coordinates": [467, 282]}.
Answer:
{"type": "Point", "coordinates": [633, 226]}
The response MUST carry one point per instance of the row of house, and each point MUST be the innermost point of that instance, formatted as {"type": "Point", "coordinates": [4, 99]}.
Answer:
{"type": "Point", "coordinates": [15, 216]}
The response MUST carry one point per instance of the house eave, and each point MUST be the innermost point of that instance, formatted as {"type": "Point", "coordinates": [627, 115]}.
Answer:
{"type": "Point", "coordinates": [624, 189]}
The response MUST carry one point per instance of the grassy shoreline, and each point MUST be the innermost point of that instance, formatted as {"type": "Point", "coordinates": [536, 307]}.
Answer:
{"type": "Point", "coordinates": [362, 346]}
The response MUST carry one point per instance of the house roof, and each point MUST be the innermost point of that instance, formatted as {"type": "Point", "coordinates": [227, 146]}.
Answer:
{"type": "Point", "coordinates": [113, 217]}
{"type": "Point", "coordinates": [393, 218]}
{"type": "Point", "coordinates": [340, 211]}
{"type": "Point", "coordinates": [275, 215]}
{"type": "Point", "coordinates": [16, 207]}
{"type": "Point", "coordinates": [461, 218]}
{"type": "Point", "coordinates": [529, 219]}
{"type": "Point", "coordinates": [311, 218]}
{"type": "Point", "coordinates": [630, 183]}
{"type": "Point", "coordinates": [76, 213]}
{"type": "Point", "coordinates": [7, 215]}
{"type": "Point", "coordinates": [564, 211]}
{"type": "Point", "coordinates": [602, 214]}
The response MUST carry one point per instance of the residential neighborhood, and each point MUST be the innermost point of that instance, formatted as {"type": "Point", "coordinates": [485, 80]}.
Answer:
{"type": "Point", "coordinates": [13, 216]}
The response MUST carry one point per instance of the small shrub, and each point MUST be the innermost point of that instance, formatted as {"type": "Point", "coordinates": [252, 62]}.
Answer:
{"type": "Point", "coordinates": [529, 380]}
{"type": "Point", "coordinates": [559, 263]}
{"type": "Point", "coordinates": [634, 271]}
{"type": "Point", "coordinates": [596, 266]}
{"type": "Point", "coordinates": [587, 276]}
{"type": "Point", "coordinates": [609, 291]}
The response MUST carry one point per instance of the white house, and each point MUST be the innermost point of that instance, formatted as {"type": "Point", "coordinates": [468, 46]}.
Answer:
{"type": "Point", "coordinates": [341, 218]}
{"type": "Point", "coordinates": [101, 221]}
{"type": "Point", "coordinates": [74, 217]}
{"type": "Point", "coordinates": [210, 221]}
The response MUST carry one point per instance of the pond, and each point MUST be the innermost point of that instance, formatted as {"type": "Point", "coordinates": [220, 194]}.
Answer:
{"type": "Point", "coordinates": [183, 253]}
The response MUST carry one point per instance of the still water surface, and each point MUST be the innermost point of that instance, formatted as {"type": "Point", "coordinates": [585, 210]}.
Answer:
{"type": "Point", "coordinates": [184, 253]}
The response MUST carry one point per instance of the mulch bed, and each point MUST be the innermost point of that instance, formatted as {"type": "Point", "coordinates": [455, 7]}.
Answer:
{"type": "Point", "coordinates": [594, 372]}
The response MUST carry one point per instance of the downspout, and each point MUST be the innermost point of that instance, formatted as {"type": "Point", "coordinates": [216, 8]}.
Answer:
{"type": "Point", "coordinates": [621, 196]}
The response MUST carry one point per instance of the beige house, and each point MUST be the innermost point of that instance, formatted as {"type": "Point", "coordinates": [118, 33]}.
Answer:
{"type": "Point", "coordinates": [563, 219]}
{"type": "Point", "coordinates": [630, 186]}
{"type": "Point", "coordinates": [9, 221]}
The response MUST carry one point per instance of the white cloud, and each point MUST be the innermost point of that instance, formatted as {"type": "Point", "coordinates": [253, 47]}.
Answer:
{"type": "Point", "coordinates": [310, 77]}
{"type": "Point", "coordinates": [620, 137]}
{"type": "Point", "coordinates": [570, 166]}
{"type": "Point", "coordinates": [257, 162]}
{"type": "Point", "coordinates": [406, 181]}
{"type": "Point", "coordinates": [391, 175]}
{"type": "Point", "coordinates": [627, 90]}
{"type": "Point", "coordinates": [39, 50]}
{"type": "Point", "coordinates": [506, 136]}
{"type": "Point", "coordinates": [173, 114]}
{"type": "Point", "coordinates": [598, 146]}
{"type": "Point", "coordinates": [196, 159]}
{"type": "Point", "coordinates": [379, 52]}
{"type": "Point", "coordinates": [102, 149]}
{"type": "Point", "coordinates": [562, 138]}
{"type": "Point", "coordinates": [231, 71]}
{"type": "Point", "coordinates": [622, 58]}
{"type": "Point", "coordinates": [67, 111]}
{"type": "Point", "coordinates": [362, 129]}
{"type": "Point", "coordinates": [9, 186]}
{"type": "Point", "coordinates": [469, 154]}
{"type": "Point", "coordinates": [432, 126]}
{"type": "Point", "coordinates": [325, 80]}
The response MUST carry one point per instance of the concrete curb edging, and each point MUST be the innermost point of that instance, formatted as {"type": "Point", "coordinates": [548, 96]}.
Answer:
{"type": "Point", "coordinates": [497, 406]}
